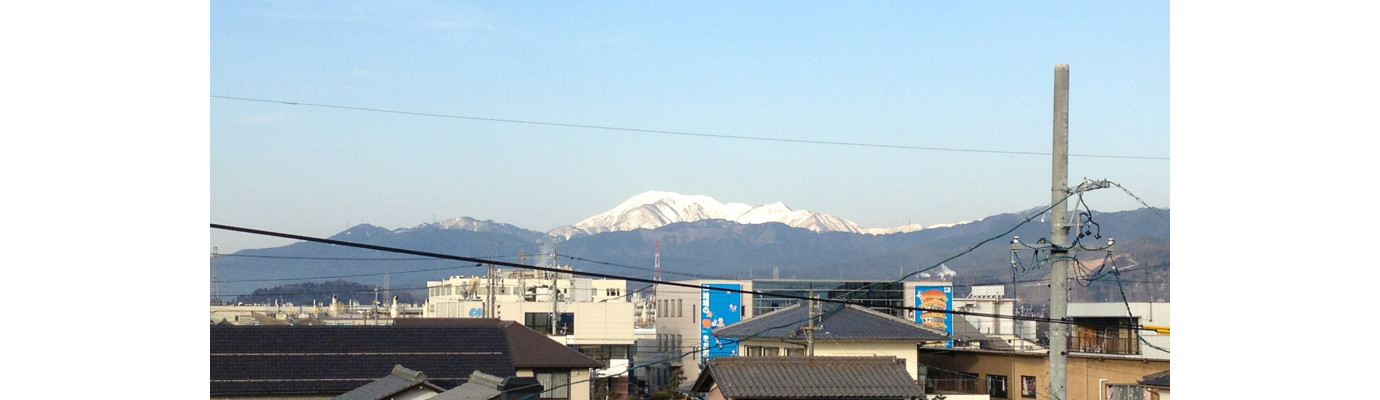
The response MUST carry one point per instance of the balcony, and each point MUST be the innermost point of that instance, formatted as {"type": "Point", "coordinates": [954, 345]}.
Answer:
{"type": "Point", "coordinates": [1104, 345]}
{"type": "Point", "coordinates": [941, 381]}
{"type": "Point", "coordinates": [953, 386]}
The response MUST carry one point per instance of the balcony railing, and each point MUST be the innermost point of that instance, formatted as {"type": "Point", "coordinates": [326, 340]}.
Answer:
{"type": "Point", "coordinates": [1105, 345]}
{"type": "Point", "coordinates": [954, 386]}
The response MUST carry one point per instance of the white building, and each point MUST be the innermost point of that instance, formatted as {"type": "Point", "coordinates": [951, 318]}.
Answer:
{"type": "Point", "coordinates": [974, 330]}
{"type": "Point", "coordinates": [1101, 328]}
{"type": "Point", "coordinates": [593, 316]}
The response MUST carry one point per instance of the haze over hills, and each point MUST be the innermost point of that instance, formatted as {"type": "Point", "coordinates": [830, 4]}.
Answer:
{"type": "Point", "coordinates": [700, 237]}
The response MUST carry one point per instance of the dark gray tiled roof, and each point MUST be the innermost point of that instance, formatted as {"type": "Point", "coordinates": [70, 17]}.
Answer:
{"type": "Point", "coordinates": [529, 348]}
{"type": "Point", "coordinates": [848, 323]}
{"type": "Point", "coordinates": [402, 379]}
{"type": "Point", "coordinates": [261, 360]}
{"type": "Point", "coordinates": [1156, 379]}
{"type": "Point", "coordinates": [480, 387]}
{"type": "Point", "coordinates": [809, 378]}
{"type": "Point", "coordinates": [488, 387]}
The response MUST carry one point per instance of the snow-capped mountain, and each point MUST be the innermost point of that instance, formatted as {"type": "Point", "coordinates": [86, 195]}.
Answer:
{"type": "Point", "coordinates": [655, 209]}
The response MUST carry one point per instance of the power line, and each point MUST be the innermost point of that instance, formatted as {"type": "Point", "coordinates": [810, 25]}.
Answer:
{"type": "Point", "coordinates": [612, 276]}
{"type": "Point", "coordinates": [329, 258]}
{"type": "Point", "coordinates": [679, 133]}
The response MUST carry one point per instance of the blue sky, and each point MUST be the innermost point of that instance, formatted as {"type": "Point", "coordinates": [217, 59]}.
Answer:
{"type": "Point", "coordinates": [971, 75]}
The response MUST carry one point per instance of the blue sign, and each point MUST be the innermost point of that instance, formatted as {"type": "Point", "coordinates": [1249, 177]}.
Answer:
{"type": "Point", "coordinates": [936, 298]}
{"type": "Point", "coordinates": [476, 312]}
{"type": "Point", "coordinates": [718, 308]}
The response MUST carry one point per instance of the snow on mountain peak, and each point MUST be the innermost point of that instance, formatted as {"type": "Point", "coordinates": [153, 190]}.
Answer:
{"type": "Point", "coordinates": [654, 209]}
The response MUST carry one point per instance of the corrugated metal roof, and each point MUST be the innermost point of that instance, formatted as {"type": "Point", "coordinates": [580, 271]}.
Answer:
{"type": "Point", "coordinates": [809, 378]}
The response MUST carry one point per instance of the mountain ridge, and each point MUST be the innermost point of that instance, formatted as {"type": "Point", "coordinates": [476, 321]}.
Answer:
{"type": "Point", "coordinates": [703, 248]}
{"type": "Point", "coordinates": [653, 209]}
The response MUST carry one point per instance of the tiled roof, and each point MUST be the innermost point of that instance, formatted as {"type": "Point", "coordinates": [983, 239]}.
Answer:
{"type": "Point", "coordinates": [1160, 379]}
{"type": "Point", "coordinates": [530, 349]}
{"type": "Point", "coordinates": [848, 323]}
{"type": "Point", "coordinates": [402, 379]}
{"type": "Point", "coordinates": [809, 378]}
{"type": "Point", "coordinates": [488, 387]}
{"type": "Point", "coordinates": [261, 360]}
{"type": "Point", "coordinates": [480, 387]}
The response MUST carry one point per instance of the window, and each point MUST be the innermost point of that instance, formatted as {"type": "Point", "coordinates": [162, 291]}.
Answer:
{"type": "Point", "coordinates": [996, 386]}
{"type": "Point", "coordinates": [554, 385]}
{"type": "Point", "coordinates": [1126, 392]}
{"type": "Point", "coordinates": [1028, 386]}
{"type": "Point", "coordinates": [795, 352]}
{"type": "Point", "coordinates": [540, 322]}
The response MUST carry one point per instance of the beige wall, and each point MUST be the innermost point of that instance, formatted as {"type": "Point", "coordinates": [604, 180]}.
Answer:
{"type": "Point", "coordinates": [1083, 372]}
{"type": "Point", "coordinates": [595, 323]}
{"type": "Point", "coordinates": [579, 382]}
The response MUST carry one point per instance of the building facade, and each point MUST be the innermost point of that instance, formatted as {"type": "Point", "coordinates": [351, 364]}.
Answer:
{"type": "Point", "coordinates": [593, 316]}
{"type": "Point", "coordinates": [686, 317]}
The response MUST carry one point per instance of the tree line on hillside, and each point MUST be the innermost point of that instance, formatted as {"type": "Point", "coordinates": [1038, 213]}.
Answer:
{"type": "Point", "coordinates": [308, 293]}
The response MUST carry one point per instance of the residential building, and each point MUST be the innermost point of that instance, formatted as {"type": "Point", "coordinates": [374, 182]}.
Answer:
{"type": "Point", "coordinates": [807, 378]}
{"type": "Point", "coordinates": [1156, 386]}
{"type": "Point", "coordinates": [321, 362]}
{"type": "Point", "coordinates": [839, 330]}
{"type": "Point", "coordinates": [1103, 328]}
{"type": "Point", "coordinates": [686, 318]}
{"type": "Point", "coordinates": [1023, 375]}
{"type": "Point", "coordinates": [534, 355]}
{"type": "Point", "coordinates": [593, 316]}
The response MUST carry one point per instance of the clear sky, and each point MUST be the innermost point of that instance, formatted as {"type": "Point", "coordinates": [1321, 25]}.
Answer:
{"type": "Point", "coordinates": [951, 75]}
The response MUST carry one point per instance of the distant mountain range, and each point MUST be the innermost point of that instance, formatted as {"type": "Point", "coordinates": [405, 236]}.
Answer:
{"type": "Point", "coordinates": [656, 209]}
{"type": "Point", "coordinates": [700, 238]}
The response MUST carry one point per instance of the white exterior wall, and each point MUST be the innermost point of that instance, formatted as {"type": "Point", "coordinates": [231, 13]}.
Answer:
{"type": "Point", "coordinates": [1145, 313]}
{"type": "Point", "coordinates": [678, 313]}
{"type": "Point", "coordinates": [987, 325]}
{"type": "Point", "coordinates": [595, 323]}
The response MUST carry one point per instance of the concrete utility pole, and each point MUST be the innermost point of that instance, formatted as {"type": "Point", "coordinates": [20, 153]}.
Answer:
{"type": "Point", "coordinates": [1058, 235]}
{"type": "Point", "coordinates": [555, 313]}
{"type": "Point", "coordinates": [810, 326]}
